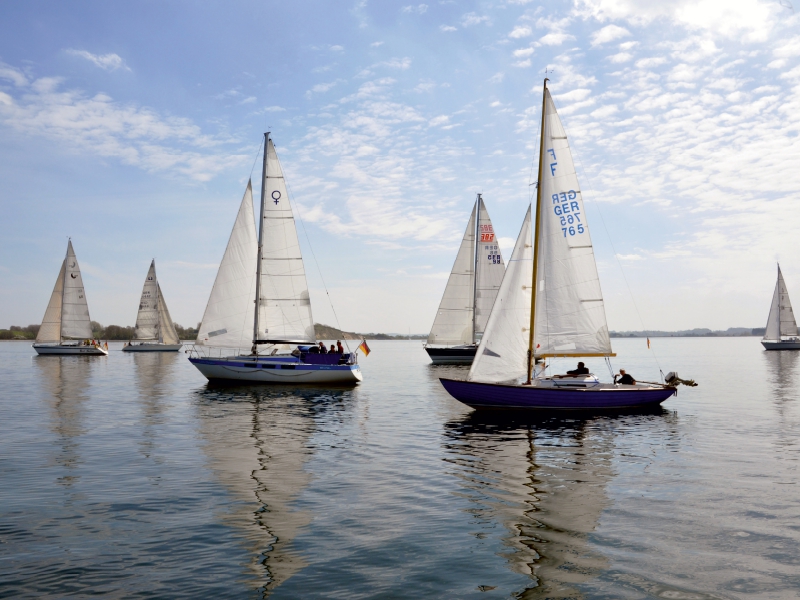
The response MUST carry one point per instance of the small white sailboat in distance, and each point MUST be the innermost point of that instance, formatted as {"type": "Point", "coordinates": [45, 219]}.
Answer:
{"type": "Point", "coordinates": [781, 333]}
{"type": "Point", "coordinates": [154, 331]}
{"type": "Point", "coordinates": [260, 300]}
{"type": "Point", "coordinates": [470, 292]}
{"type": "Point", "coordinates": [66, 327]}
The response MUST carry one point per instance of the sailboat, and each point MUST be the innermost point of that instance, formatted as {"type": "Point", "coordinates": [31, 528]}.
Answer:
{"type": "Point", "coordinates": [549, 305]}
{"type": "Point", "coordinates": [66, 327]}
{"type": "Point", "coordinates": [260, 300]}
{"type": "Point", "coordinates": [154, 331]}
{"type": "Point", "coordinates": [470, 293]}
{"type": "Point", "coordinates": [781, 333]}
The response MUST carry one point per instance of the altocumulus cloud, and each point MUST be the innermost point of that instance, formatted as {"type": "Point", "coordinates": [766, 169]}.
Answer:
{"type": "Point", "coordinates": [109, 62]}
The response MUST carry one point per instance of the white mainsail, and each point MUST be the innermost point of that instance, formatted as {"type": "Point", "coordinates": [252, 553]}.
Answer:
{"type": "Point", "coordinates": [502, 353]}
{"type": "Point", "coordinates": [228, 318]}
{"type": "Point", "coordinates": [284, 306]}
{"type": "Point", "coordinates": [453, 322]}
{"type": "Point", "coordinates": [147, 318]}
{"type": "Point", "coordinates": [167, 328]}
{"type": "Point", "coordinates": [75, 321]}
{"type": "Point", "coordinates": [781, 320]}
{"type": "Point", "coordinates": [489, 268]}
{"type": "Point", "coordinates": [50, 330]}
{"type": "Point", "coordinates": [570, 314]}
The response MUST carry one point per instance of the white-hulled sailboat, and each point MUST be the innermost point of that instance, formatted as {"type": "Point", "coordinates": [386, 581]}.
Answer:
{"type": "Point", "coordinates": [154, 331]}
{"type": "Point", "coordinates": [470, 293]}
{"type": "Point", "coordinates": [549, 305]}
{"type": "Point", "coordinates": [66, 327]}
{"type": "Point", "coordinates": [781, 333]}
{"type": "Point", "coordinates": [271, 271]}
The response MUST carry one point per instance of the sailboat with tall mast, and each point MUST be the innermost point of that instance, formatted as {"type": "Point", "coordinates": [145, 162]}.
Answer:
{"type": "Point", "coordinates": [154, 331]}
{"type": "Point", "coordinates": [781, 332]}
{"type": "Point", "coordinates": [470, 292]}
{"type": "Point", "coordinates": [260, 300]}
{"type": "Point", "coordinates": [549, 305]}
{"type": "Point", "coordinates": [66, 327]}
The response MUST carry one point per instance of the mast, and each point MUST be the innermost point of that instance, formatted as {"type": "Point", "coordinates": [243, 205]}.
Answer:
{"type": "Point", "coordinates": [476, 248]}
{"type": "Point", "coordinates": [534, 279]}
{"type": "Point", "coordinates": [64, 289]}
{"type": "Point", "coordinates": [260, 242]}
{"type": "Point", "coordinates": [158, 312]}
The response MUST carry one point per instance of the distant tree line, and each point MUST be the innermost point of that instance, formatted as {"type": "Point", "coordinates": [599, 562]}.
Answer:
{"type": "Point", "coordinates": [112, 332]}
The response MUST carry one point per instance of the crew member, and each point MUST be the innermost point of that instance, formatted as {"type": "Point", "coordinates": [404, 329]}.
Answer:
{"type": "Point", "coordinates": [581, 370]}
{"type": "Point", "coordinates": [339, 346]}
{"type": "Point", "coordinates": [322, 348]}
{"type": "Point", "coordinates": [624, 378]}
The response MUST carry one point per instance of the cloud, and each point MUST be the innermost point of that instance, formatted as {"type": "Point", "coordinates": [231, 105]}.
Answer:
{"type": "Point", "coordinates": [506, 243]}
{"type": "Point", "coordinates": [321, 88]}
{"type": "Point", "coordinates": [376, 44]}
{"type": "Point", "coordinates": [271, 109]}
{"type": "Point", "coordinates": [523, 52]}
{"type": "Point", "coordinates": [608, 33]}
{"type": "Point", "coordinates": [520, 31]}
{"type": "Point", "coordinates": [108, 62]}
{"type": "Point", "coordinates": [470, 19]}
{"type": "Point", "coordinates": [248, 100]}
{"type": "Point", "coordinates": [137, 136]}
{"type": "Point", "coordinates": [447, 28]}
{"type": "Point", "coordinates": [419, 9]}
{"type": "Point", "coordinates": [555, 38]}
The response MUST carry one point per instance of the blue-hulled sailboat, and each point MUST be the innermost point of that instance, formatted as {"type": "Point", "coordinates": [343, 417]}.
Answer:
{"type": "Point", "coordinates": [549, 305]}
{"type": "Point", "coordinates": [260, 300]}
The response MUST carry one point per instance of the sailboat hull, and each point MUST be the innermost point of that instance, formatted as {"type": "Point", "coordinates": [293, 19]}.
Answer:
{"type": "Point", "coordinates": [280, 372]}
{"type": "Point", "coordinates": [516, 397]}
{"type": "Point", "coordinates": [152, 347]}
{"type": "Point", "coordinates": [68, 350]}
{"type": "Point", "coordinates": [459, 355]}
{"type": "Point", "coordinates": [781, 345]}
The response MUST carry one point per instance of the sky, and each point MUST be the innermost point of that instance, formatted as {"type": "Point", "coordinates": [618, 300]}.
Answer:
{"type": "Point", "coordinates": [133, 128]}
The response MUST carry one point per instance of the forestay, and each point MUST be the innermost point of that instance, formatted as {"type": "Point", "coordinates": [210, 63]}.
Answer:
{"type": "Point", "coordinates": [453, 323]}
{"type": "Point", "coordinates": [147, 317]}
{"type": "Point", "coordinates": [502, 353]}
{"type": "Point", "coordinates": [284, 304]}
{"type": "Point", "coordinates": [168, 333]}
{"type": "Point", "coordinates": [570, 315]}
{"type": "Point", "coordinates": [228, 318]}
{"type": "Point", "coordinates": [781, 320]}
{"type": "Point", "coordinates": [75, 321]}
{"type": "Point", "coordinates": [490, 270]}
{"type": "Point", "coordinates": [50, 330]}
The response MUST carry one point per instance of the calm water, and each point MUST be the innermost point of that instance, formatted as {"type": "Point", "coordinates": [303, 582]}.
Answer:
{"type": "Point", "coordinates": [128, 476]}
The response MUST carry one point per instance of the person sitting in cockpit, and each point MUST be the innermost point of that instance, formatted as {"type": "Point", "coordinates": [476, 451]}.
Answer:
{"type": "Point", "coordinates": [581, 370]}
{"type": "Point", "coordinates": [624, 378]}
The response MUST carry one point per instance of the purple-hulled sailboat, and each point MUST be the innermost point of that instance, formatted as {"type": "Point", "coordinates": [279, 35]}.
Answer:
{"type": "Point", "coordinates": [549, 305]}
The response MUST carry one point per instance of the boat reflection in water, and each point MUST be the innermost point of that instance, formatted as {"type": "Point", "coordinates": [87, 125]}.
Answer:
{"type": "Point", "coordinates": [66, 379]}
{"type": "Point", "coordinates": [153, 380]}
{"type": "Point", "coordinates": [545, 481]}
{"type": "Point", "coordinates": [257, 443]}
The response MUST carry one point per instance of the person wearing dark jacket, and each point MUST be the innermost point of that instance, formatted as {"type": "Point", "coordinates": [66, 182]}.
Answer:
{"type": "Point", "coordinates": [624, 378]}
{"type": "Point", "coordinates": [581, 370]}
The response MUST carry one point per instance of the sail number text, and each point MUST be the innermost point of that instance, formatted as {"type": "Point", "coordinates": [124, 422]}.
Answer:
{"type": "Point", "coordinates": [568, 210]}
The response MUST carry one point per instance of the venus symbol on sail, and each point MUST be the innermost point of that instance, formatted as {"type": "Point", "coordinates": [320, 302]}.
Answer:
{"type": "Point", "coordinates": [469, 294]}
{"type": "Point", "coordinates": [260, 300]}
{"type": "Point", "coordinates": [781, 333]}
{"type": "Point", "coordinates": [549, 304]}
{"type": "Point", "coordinates": [66, 327]}
{"type": "Point", "coordinates": [154, 331]}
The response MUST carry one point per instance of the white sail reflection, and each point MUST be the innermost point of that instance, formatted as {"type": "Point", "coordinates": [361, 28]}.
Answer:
{"type": "Point", "coordinates": [153, 378]}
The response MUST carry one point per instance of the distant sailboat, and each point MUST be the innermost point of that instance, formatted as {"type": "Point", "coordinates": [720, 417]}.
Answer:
{"type": "Point", "coordinates": [154, 331]}
{"type": "Point", "coordinates": [470, 293]}
{"type": "Point", "coordinates": [549, 304]}
{"type": "Point", "coordinates": [270, 270]}
{"type": "Point", "coordinates": [781, 333]}
{"type": "Point", "coordinates": [66, 327]}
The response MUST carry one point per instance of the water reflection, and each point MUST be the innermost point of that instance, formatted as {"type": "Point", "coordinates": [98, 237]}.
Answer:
{"type": "Point", "coordinates": [257, 443]}
{"type": "Point", "coordinates": [153, 379]}
{"type": "Point", "coordinates": [66, 379]}
{"type": "Point", "coordinates": [545, 481]}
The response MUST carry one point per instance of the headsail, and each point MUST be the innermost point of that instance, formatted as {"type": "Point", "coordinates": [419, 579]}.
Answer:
{"type": "Point", "coordinates": [503, 350]}
{"type": "Point", "coordinates": [570, 315]}
{"type": "Point", "coordinates": [284, 306]}
{"type": "Point", "coordinates": [50, 330]}
{"type": "Point", "coordinates": [147, 317]}
{"type": "Point", "coordinates": [489, 268]}
{"type": "Point", "coordinates": [75, 321]}
{"type": "Point", "coordinates": [453, 322]}
{"type": "Point", "coordinates": [781, 320]}
{"type": "Point", "coordinates": [167, 328]}
{"type": "Point", "coordinates": [228, 319]}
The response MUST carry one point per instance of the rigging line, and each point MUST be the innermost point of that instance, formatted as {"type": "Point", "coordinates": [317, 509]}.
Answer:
{"type": "Point", "coordinates": [316, 262]}
{"type": "Point", "coordinates": [258, 153]}
{"type": "Point", "coordinates": [613, 249]}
